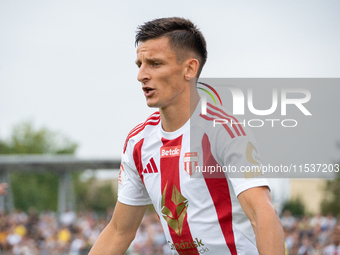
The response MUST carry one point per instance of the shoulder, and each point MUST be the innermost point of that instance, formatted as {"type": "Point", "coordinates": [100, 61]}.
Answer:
{"type": "Point", "coordinates": [142, 130]}
{"type": "Point", "coordinates": [218, 120]}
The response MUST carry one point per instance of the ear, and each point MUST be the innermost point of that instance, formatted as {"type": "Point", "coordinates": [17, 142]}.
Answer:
{"type": "Point", "coordinates": [191, 69]}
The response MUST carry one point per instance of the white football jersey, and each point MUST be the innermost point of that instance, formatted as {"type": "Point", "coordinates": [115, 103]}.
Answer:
{"type": "Point", "coordinates": [184, 174]}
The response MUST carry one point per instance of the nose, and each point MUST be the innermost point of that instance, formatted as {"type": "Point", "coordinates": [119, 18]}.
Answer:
{"type": "Point", "coordinates": [143, 74]}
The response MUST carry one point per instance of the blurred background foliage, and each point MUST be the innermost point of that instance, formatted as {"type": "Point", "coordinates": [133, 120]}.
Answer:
{"type": "Point", "coordinates": [331, 200]}
{"type": "Point", "coordinates": [40, 190]}
{"type": "Point", "coordinates": [295, 206]}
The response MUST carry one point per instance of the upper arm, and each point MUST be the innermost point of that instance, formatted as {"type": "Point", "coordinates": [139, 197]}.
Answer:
{"type": "Point", "coordinates": [257, 205]}
{"type": "Point", "coordinates": [120, 232]}
{"type": "Point", "coordinates": [256, 201]}
{"type": "Point", "coordinates": [126, 219]}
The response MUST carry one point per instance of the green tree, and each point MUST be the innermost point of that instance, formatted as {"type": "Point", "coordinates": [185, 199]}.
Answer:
{"type": "Point", "coordinates": [35, 189]}
{"type": "Point", "coordinates": [295, 206]}
{"type": "Point", "coordinates": [94, 194]}
{"type": "Point", "coordinates": [25, 139]}
{"type": "Point", "coordinates": [102, 198]}
{"type": "Point", "coordinates": [331, 201]}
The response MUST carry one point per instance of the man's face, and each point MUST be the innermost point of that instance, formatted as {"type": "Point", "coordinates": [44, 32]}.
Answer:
{"type": "Point", "coordinates": [161, 75]}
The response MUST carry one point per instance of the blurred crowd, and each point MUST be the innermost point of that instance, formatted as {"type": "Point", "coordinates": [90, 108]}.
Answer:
{"type": "Point", "coordinates": [47, 233]}
{"type": "Point", "coordinates": [318, 235]}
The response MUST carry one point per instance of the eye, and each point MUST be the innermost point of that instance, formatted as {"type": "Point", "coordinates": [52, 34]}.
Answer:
{"type": "Point", "coordinates": [156, 64]}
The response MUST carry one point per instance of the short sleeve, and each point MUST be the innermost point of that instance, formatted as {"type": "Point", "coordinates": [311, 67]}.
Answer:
{"type": "Point", "coordinates": [131, 189]}
{"type": "Point", "coordinates": [242, 154]}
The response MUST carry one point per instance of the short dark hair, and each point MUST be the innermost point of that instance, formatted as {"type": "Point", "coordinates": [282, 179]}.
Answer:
{"type": "Point", "coordinates": [183, 36]}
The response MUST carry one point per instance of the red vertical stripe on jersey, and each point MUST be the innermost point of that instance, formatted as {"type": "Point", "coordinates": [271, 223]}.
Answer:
{"type": "Point", "coordinates": [169, 167]}
{"type": "Point", "coordinates": [137, 157]}
{"type": "Point", "coordinates": [149, 168]}
{"type": "Point", "coordinates": [219, 191]}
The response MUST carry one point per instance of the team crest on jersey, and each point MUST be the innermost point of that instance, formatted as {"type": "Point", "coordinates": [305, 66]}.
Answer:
{"type": "Point", "coordinates": [252, 154]}
{"type": "Point", "coordinates": [253, 158]}
{"type": "Point", "coordinates": [190, 162]}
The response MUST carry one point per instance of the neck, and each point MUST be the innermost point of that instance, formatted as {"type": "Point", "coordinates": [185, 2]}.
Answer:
{"type": "Point", "coordinates": [175, 116]}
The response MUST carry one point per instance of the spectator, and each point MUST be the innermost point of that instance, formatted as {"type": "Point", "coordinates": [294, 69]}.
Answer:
{"type": "Point", "coordinates": [3, 187]}
{"type": "Point", "coordinates": [334, 247]}
{"type": "Point", "coordinates": [307, 247]}
{"type": "Point", "coordinates": [287, 220]}
{"type": "Point", "coordinates": [68, 218]}
{"type": "Point", "coordinates": [78, 245]}
{"type": "Point", "coordinates": [330, 221]}
{"type": "Point", "coordinates": [319, 219]}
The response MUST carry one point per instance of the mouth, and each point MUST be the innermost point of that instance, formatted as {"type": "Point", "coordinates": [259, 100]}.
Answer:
{"type": "Point", "coordinates": [148, 91]}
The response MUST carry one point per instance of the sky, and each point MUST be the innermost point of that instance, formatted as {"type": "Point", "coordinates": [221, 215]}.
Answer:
{"type": "Point", "coordinates": [69, 65]}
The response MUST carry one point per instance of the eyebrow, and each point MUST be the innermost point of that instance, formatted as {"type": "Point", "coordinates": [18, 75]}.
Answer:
{"type": "Point", "coordinates": [149, 60]}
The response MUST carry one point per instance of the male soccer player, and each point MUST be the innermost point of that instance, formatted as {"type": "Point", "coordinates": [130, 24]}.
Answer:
{"type": "Point", "coordinates": [219, 215]}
